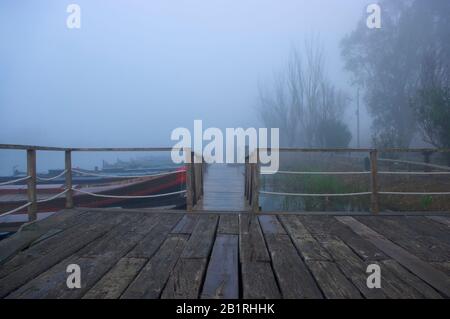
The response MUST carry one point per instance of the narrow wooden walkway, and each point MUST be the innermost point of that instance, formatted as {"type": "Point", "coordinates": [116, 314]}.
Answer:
{"type": "Point", "coordinates": [161, 254]}
{"type": "Point", "coordinates": [223, 186]}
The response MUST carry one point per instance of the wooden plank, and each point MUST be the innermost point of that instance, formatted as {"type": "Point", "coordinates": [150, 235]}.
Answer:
{"type": "Point", "coordinates": [328, 227]}
{"type": "Point", "coordinates": [185, 280]}
{"type": "Point", "coordinates": [258, 281]}
{"type": "Point", "coordinates": [332, 282]}
{"type": "Point", "coordinates": [423, 270]}
{"type": "Point", "coordinates": [186, 224]}
{"type": "Point", "coordinates": [228, 224]}
{"type": "Point", "coordinates": [156, 236]}
{"type": "Point", "coordinates": [442, 266]}
{"type": "Point", "coordinates": [396, 286]}
{"type": "Point", "coordinates": [352, 266]}
{"type": "Point", "coordinates": [30, 232]}
{"type": "Point", "coordinates": [271, 225]}
{"type": "Point", "coordinates": [153, 277]}
{"type": "Point", "coordinates": [61, 244]}
{"type": "Point", "coordinates": [52, 232]}
{"type": "Point", "coordinates": [428, 228]}
{"type": "Point", "coordinates": [114, 283]}
{"type": "Point", "coordinates": [223, 187]}
{"type": "Point", "coordinates": [293, 276]}
{"type": "Point", "coordinates": [398, 230]}
{"type": "Point", "coordinates": [222, 277]}
{"type": "Point", "coordinates": [305, 243]}
{"type": "Point", "coordinates": [425, 290]}
{"type": "Point", "coordinates": [41, 257]}
{"type": "Point", "coordinates": [95, 260]}
{"type": "Point", "coordinates": [441, 219]}
{"type": "Point", "coordinates": [251, 240]}
{"type": "Point", "coordinates": [201, 240]}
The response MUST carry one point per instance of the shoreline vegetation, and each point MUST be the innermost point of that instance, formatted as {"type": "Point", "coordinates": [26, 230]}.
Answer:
{"type": "Point", "coordinates": [328, 184]}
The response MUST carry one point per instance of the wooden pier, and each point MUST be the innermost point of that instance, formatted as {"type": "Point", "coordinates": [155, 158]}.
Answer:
{"type": "Point", "coordinates": [174, 254]}
{"type": "Point", "coordinates": [223, 189]}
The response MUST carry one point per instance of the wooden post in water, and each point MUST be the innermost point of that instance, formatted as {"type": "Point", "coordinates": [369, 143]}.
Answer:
{"type": "Point", "coordinates": [31, 190]}
{"type": "Point", "coordinates": [68, 166]}
{"type": "Point", "coordinates": [189, 180]}
{"type": "Point", "coordinates": [374, 205]}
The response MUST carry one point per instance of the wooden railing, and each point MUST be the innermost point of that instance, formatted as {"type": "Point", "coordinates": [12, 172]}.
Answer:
{"type": "Point", "coordinates": [253, 171]}
{"type": "Point", "coordinates": [194, 173]}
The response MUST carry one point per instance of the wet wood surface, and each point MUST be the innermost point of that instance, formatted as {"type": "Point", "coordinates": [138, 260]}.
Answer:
{"type": "Point", "coordinates": [223, 186]}
{"type": "Point", "coordinates": [173, 254]}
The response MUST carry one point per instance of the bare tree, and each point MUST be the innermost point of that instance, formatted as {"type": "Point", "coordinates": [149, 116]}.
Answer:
{"type": "Point", "coordinates": [431, 103]}
{"type": "Point", "coordinates": [303, 103]}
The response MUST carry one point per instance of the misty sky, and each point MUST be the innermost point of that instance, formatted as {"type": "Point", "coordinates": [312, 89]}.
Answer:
{"type": "Point", "coordinates": [138, 69]}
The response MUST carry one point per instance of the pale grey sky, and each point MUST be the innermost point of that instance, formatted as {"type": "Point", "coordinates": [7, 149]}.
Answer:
{"type": "Point", "coordinates": [138, 69]}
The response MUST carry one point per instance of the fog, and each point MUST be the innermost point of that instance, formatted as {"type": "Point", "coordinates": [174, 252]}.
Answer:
{"type": "Point", "coordinates": [136, 70]}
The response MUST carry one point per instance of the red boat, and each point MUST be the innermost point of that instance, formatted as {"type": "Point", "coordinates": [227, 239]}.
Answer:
{"type": "Point", "coordinates": [13, 196]}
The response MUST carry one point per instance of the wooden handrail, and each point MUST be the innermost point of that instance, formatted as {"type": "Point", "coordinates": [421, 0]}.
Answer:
{"type": "Point", "coordinates": [89, 149]}
{"type": "Point", "coordinates": [364, 150]}
{"type": "Point", "coordinates": [165, 149]}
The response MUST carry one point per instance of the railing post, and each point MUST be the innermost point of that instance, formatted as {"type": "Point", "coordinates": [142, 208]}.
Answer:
{"type": "Point", "coordinates": [189, 180]}
{"type": "Point", "coordinates": [202, 175]}
{"type": "Point", "coordinates": [246, 178]}
{"type": "Point", "coordinates": [194, 179]}
{"type": "Point", "coordinates": [68, 167]}
{"type": "Point", "coordinates": [374, 205]}
{"type": "Point", "coordinates": [255, 188]}
{"type": "Point", "coordinates": [31, 190]}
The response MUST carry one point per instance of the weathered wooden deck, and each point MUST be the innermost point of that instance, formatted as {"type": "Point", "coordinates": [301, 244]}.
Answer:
{"type": "Point", "coordinates": [156, 254]}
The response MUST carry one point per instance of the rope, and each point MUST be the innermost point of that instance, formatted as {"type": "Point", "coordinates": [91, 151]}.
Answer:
{"type": "Point", "coordinates": [311, 195]}
{"type": "Point", "coordinates": [414, 173]}
{"type": "Point", "coordinates": [52, 197]}
{"type": "Point", "coordinates": [51, 178]}
{"type": "Point", "coordinates": [127, 197]}
{"type": "Point", "coordinates": [414, 163]}
{"type": "Point", "coordinates": [16, 180]}
{"type": "Point", "coordinates": [16, 209]}
{"type": "Point", "coordinates": [316, 173]}
{"type": "Point", "coordinates": [413, 193]}
{"type": "Point", "coordinates": [130, 176]}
